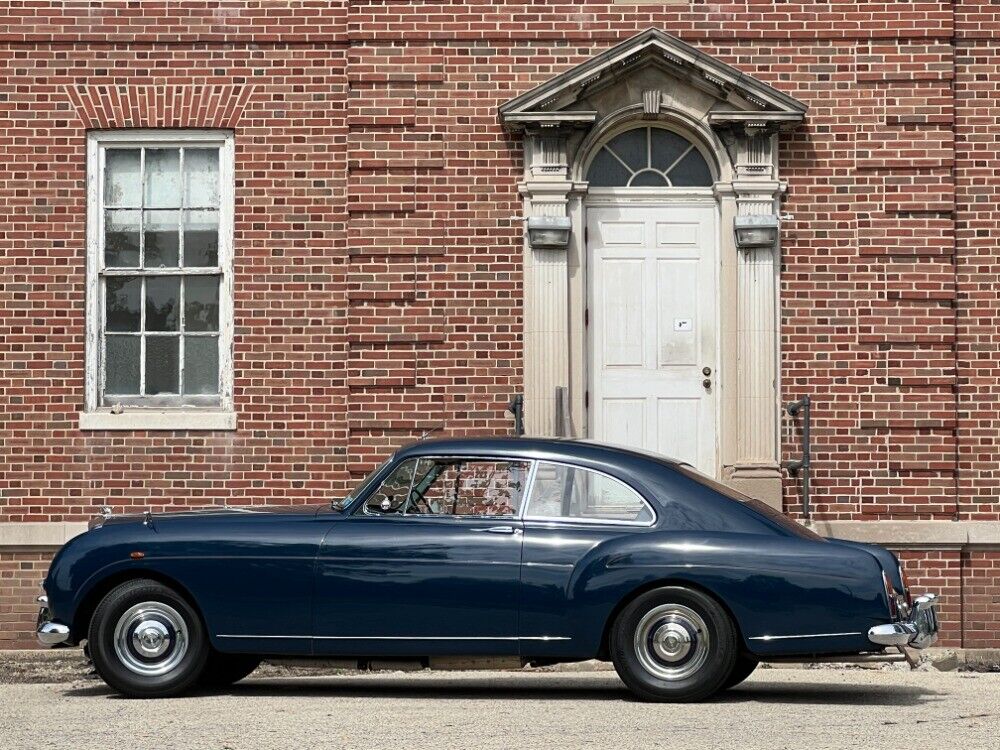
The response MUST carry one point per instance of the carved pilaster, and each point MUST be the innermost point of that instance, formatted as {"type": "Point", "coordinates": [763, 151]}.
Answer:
{"type": "Point", "coordinates": [757, 191]}
{"type": "Point", "coordinates": [546, 190]}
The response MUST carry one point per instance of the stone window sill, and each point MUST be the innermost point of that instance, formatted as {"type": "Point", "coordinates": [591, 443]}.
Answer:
{"type": "Point", "coordinates": [159, 419]}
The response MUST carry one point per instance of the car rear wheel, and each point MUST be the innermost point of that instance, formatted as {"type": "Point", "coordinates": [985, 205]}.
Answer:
{"type": "Point", "coordinates": [222, 670]}
{"type": "Point", "coordinates": [146, 641]}
{"type": "Point", "coordinates": [745, 665]}
{"type": "Point", "coordinates": [674, 644]}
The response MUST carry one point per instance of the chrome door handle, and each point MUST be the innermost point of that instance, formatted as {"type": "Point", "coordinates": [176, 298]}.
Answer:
{"type": "Point", "coordinates": [500, 530]}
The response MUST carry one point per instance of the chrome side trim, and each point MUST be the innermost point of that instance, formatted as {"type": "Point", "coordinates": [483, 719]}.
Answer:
{"type": "Point", "coordinates": [405, 637]}
{"type": "Point", "coordinates": [805, 635]}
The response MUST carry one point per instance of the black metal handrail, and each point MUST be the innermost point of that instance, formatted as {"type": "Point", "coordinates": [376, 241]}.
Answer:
{"type": "Point", "coordinates": [516, 407]}
{"type": "Point", "coordinates": [803, 406]}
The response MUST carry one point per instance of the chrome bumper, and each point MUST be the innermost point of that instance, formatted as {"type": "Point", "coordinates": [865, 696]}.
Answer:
{"type": "Point", "coordinates": [920, 630]}
{"type": "Point", "coordinates": [49, 633]}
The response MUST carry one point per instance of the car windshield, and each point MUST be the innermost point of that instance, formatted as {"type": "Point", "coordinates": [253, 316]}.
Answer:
{"type": "Point", "coordinates": [775, 516]}
{"type": "Point", "coordinates": [344, 502]}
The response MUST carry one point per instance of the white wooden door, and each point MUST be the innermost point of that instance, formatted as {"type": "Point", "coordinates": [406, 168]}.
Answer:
{"type": "Point", "coordinates": [652, 320]}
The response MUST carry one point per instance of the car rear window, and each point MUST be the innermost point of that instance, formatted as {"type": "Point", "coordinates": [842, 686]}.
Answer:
{"type": "Point", "coordinates": [775, 516]}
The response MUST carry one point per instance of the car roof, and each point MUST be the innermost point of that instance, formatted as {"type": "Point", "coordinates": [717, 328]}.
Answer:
{"type": "Point", "coordinates": [556, 449]}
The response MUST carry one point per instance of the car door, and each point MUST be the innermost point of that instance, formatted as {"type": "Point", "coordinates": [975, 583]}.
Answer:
{"type": "Point", "coordinates": [429, 565]}
{"type": "Point", "coordinates": [572, 514]}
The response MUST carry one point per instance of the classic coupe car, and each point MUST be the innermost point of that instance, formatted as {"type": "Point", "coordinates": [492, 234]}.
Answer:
{"type": "Point", "coordinates": [540, 551]}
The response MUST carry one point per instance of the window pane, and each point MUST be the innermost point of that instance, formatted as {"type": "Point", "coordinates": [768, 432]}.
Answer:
{"type": "Point", "coordinates": [691, 171]}
{"type": "Point", "coordinates": [161, 232]}
{"type": "Point", "coordinates": [667, 147]}
{"type": "Point", "coordinates": [649, 178]}
{"type": "Point", "coordinates": [391, 494]}
{"type": "Point", "coordinates": [606, 171]}
{"type": "Point", "coordinates": [121, 239]}
{"type": "Point", "coordinates": [163, 179]}
{"type": "Point", "coordinates": [121, 365]}
{"type": "Point", "coordinates": [162, 303]}
{"type": "Point", "coordinates": [121, 303]}
{"type": "Point", "coordinates": [162, 371]}
{"type": "Point", "coordinates": [201, 303]}
{"type": "Point", "coordinates": [201, 364]}
{"type": "Point", "coordinates": [201, 177]}
{"type": "Point", "coordinates": [467, 487]}
{"type": "Point", "coordinates": [568, 492]}
{"type": "Point", "coordinates": [121, 177]}
{"type": "Point", "coordinates": [632, 148]}
{"type": "Point", "coordinates": [201, 238]}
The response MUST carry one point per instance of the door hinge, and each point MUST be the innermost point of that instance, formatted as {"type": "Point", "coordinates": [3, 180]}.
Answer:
{"type": "Point", "coordinates": [586, 317]}
{"type": "Point", "coordinates": [586, 399]}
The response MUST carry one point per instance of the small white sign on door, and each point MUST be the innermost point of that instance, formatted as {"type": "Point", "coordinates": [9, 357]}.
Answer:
{"type": "Point", "coordinates": [683, 324]}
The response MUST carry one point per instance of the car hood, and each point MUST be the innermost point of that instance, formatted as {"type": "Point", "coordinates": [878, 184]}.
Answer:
{"type": "Point", "coordinates": [215, 511]}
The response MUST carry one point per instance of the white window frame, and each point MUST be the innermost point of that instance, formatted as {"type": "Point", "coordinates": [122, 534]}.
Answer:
{"type": "Point", "coordinates": [187, 417]}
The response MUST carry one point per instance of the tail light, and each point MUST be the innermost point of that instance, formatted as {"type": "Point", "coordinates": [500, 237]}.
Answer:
{"type": "Point", "coordinates": [890, 594]}
{"type": "Point", "coordinates": [906, 587]}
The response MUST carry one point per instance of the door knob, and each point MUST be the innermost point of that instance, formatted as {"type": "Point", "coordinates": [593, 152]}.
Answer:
{"type": "Point", "coordinates": [707, 383]}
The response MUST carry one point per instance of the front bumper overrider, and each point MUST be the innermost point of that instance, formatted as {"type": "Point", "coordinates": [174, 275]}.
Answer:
{"type": "Point", "coordinates": [48, 631]}
{"type": "Point", "coordinates": [919, 630]}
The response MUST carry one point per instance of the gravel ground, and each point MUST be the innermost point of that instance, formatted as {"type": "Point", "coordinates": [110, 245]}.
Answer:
{"type": "Point", "coordinates": [776, 708]}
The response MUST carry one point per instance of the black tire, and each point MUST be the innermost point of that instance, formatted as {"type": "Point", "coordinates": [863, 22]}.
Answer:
{"type": "Point", "coordinates": [745, 665]}
{"type": "Point", "coordinates": [132, 623]}
{"type": "Point", "coordinates": [674, 644]}
{"type": "Point", "coordinates": [222, 670]}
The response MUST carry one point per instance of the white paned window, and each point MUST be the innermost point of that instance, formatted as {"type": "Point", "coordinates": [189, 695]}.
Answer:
{"type": "Point", "coordinates": [159, 268]}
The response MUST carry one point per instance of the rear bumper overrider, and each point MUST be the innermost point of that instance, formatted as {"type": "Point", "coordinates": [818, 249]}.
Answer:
{"type": "Point", "coordinates": [919, 630]}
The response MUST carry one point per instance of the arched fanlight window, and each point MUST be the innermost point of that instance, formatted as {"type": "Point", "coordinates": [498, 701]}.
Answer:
{"type": "Point", "coordinates": [649, 157]}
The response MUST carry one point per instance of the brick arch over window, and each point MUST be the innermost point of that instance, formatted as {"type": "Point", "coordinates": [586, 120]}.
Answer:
{"type": "Point", "coordinates": [199, 106]}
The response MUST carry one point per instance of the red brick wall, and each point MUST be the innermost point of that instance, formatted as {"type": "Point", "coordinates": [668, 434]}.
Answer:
{"type": "Point", "coordinates": [21, 571]}
{"type": "Point", "coordinates": [378, 251]}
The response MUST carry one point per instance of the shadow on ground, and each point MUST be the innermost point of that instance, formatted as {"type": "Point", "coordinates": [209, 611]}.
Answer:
{"type": "Point", "coordinates": [525, 687]}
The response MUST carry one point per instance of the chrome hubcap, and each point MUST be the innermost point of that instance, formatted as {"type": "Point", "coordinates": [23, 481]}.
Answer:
{"type": "Point", "coordinates": [672, 642]}
{"type": "Point", "coordinates": [150, 638]}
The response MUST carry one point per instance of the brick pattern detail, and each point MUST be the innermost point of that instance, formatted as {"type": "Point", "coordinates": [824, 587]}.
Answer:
{"type": "Point", "coordinates": [183, 106]}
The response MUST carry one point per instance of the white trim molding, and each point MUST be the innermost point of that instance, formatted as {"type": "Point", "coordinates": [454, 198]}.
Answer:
{"type": "Point", "coordinates": [913, 534]}
{"type": "Point", "coordinates": [49, 534]}
{"type": "Point", "coordinates": [152, 419]}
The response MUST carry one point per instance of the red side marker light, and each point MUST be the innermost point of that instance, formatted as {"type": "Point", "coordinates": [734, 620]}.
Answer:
{"type": "Point", "coordinates": [137, 555]}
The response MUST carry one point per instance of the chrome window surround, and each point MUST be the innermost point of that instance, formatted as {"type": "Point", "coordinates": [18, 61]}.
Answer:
{"type": "Point", "coordinates": [529, 486]}
{"type": "Point", "coordinates": [602, 521]}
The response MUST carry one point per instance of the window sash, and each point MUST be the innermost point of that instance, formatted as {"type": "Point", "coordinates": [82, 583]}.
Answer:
{"type": "Point", "coordinates": [97, 273]}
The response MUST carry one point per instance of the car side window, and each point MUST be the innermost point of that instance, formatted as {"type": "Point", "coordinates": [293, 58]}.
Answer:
{"type": "Point", "coordinates": [572, 492]}
{"type": "Point", "coordinates": [452, 487]}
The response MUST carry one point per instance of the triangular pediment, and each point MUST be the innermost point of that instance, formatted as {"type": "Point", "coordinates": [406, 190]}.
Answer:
{"type": "Point", "coordinates": [739, 97]}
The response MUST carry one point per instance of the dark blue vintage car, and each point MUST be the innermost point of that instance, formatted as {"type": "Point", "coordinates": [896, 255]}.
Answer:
{"type": "Point", "coordinates": [540, 551]}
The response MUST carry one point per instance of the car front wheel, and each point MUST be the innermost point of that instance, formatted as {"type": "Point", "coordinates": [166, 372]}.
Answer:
{"type": "Point", "coordinates": [674, 644]}
{"type": "Point", "coordinates": [146, 641]}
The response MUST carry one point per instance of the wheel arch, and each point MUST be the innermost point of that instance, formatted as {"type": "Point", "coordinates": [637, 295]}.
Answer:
{"type": "Point", "coordinates": [85, 610]}
{"type": "Point", "coordinates": [635, 593]}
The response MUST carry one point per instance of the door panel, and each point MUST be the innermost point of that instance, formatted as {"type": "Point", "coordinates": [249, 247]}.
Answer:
{"type": "Point", "coordinates": [415, 586]}
{"type": "Point", "coordinates": [653, 299]}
